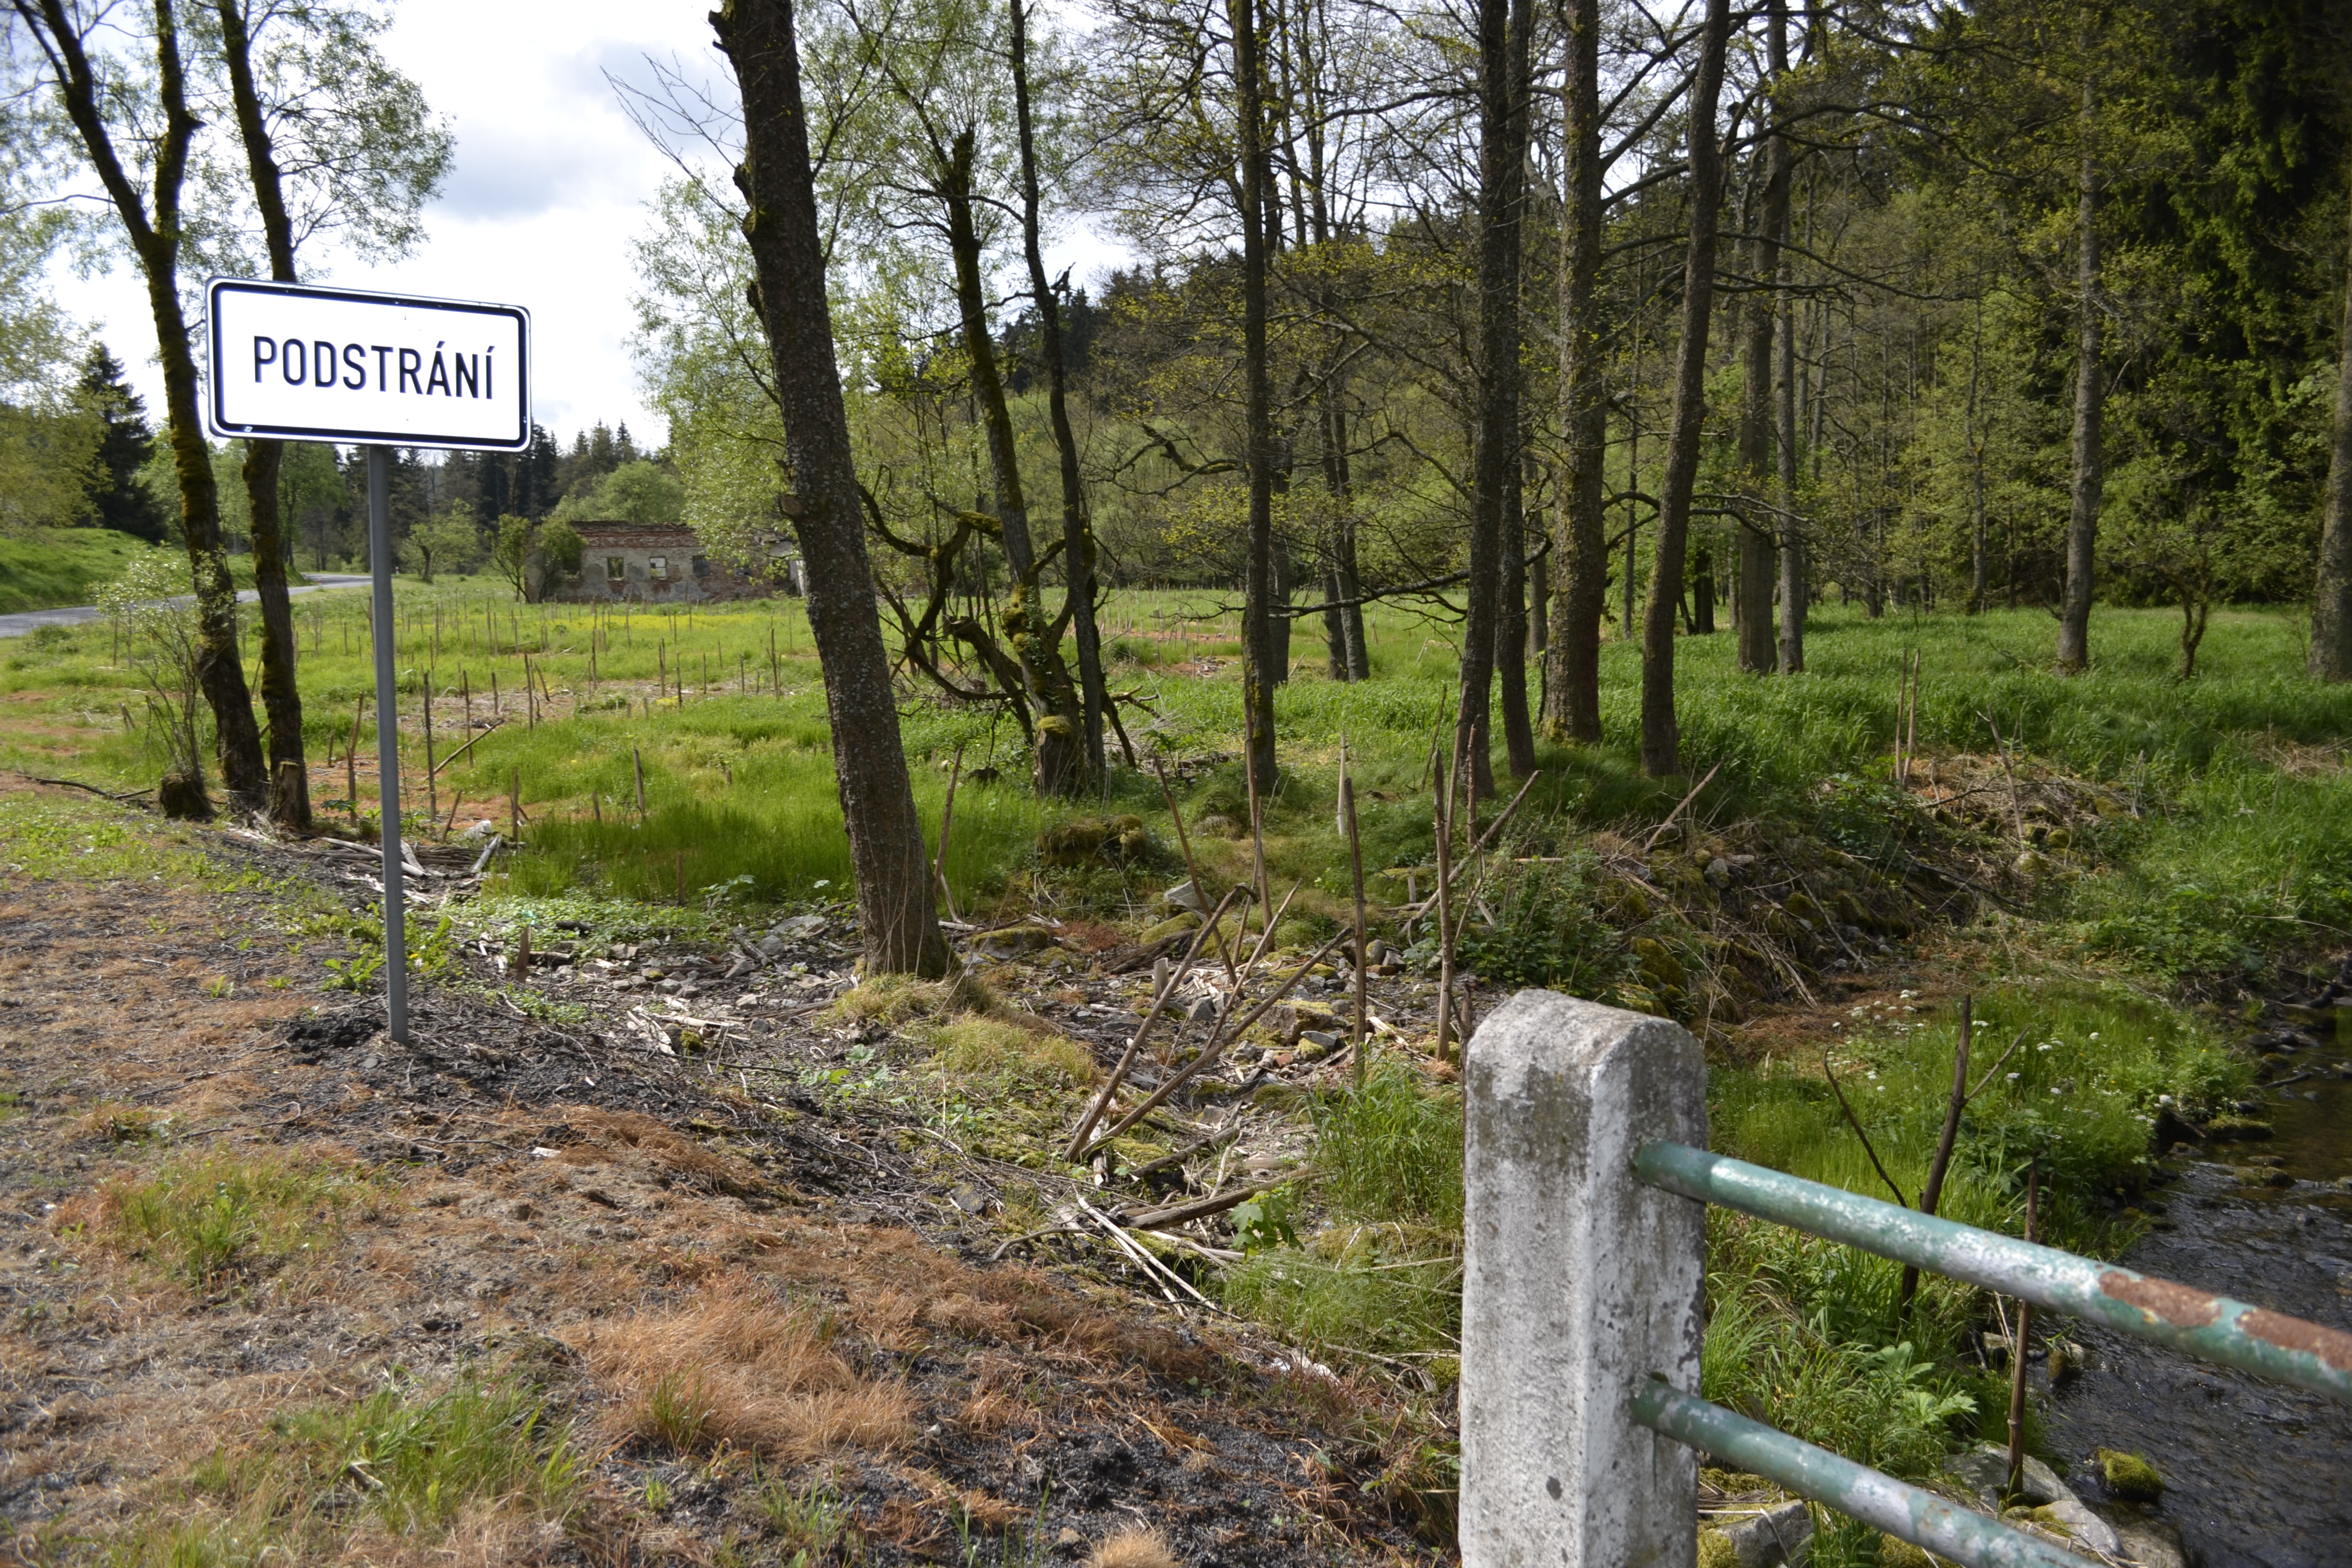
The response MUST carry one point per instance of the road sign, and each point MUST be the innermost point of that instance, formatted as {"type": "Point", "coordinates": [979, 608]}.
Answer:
{"type": "Point", "coordinates": [383, 370]}
{"type": "Point", "coordinates": [308, 364]}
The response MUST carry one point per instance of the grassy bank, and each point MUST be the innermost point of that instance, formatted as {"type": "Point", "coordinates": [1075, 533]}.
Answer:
{"type": "Point", "coordinates": [54, 566]}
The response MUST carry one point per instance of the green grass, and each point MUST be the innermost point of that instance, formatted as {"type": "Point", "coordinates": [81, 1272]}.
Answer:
{"type": "Point", "coordinates": [56, 566]}
{"type": "Point", "coordinates": [214, 1219]}
{"type": "Point", "coordinates": [327, 1481]}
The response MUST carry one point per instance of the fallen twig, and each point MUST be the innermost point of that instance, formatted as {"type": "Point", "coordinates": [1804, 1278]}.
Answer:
{"type": "Point", "coordinates": [1660, 831]}
{"type": "Point", "coordinates": [1200, 1208]}
{"type": "Point", "coordinates": [1077, 1148]}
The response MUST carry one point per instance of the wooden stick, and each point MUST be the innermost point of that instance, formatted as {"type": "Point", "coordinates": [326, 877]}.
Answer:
{"type": "Point", "coordinates": [1660, 831]}
{"type": "Point", "coordinates": [432, 790]}
{"type": "Point", "coordinates": [1183, 839]}
{"type": "Point", "coordinates": [2016, 814]}
{"type": "Point", "coordinates": [1257, 828]}
{"type": "Point", "coordinates": [1076, 1149]}
{"type": "Point", "coordinates": [1200, 1208]}
{"type": "Point", "coordinates": [468, 746]}
{"type": "Point", "coordinates": [1214, 1048]}
{"type": "Point", "coordinates": [1856, 1122]}
{"type": "Point", "coordinates": [637, 760]}
{"type": "Point", "coordinates": [946, 819]}
{"type": "Point", "coordinates": [1420, 907]}
{"type": "Point", "coordinates": [2017, 1347]}
{"type": "Point", "coordinates": [1934, 1189]}
{"type": "Point", "coordinates": [1442, 828]}
{"type": "Point", "coordinates": [1356, 1039]}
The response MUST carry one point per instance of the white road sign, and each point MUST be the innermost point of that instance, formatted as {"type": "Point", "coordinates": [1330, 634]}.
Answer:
{"type": "Point", "coordinates": [332, 365]}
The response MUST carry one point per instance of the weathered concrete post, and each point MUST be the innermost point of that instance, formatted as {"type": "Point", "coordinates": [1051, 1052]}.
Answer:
{"type": "Point", "coordinates": [1579, 1282]}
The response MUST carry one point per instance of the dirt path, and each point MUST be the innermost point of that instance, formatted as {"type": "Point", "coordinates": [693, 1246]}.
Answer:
{"type": "Point", "coordinates": [236, 1214]}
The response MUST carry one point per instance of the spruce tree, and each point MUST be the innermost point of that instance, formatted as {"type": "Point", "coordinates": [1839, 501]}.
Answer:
{"type": "Point", "coordinates": [121, 499]}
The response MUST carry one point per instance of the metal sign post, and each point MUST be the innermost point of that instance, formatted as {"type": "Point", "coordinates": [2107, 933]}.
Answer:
{"type": "Point", "coordinates": [298, 362]}
{"type": "Point", "coordinates": [387, 742]}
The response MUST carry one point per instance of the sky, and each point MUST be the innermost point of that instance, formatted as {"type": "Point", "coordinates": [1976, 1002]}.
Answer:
{"type": "Point", "coordinates": [548, 188]}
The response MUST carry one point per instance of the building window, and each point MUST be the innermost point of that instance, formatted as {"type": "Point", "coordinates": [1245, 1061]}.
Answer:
{"type": "Point", "coordinates": [702, 566]}
{"type": "Point", "coordinates": [658, 568]}
{"type": "Point", "coordinates": [616, 570]}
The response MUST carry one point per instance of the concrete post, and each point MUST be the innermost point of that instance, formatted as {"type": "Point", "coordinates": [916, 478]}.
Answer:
{"type": "Point", "coordinates": [1579, 1282]}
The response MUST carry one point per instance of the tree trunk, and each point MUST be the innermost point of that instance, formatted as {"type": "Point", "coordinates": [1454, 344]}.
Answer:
{"type": "Point", "coordinates": [281, 694]}
{"type": "Point", "coordinates": [1511, 627]}
{"type": "Point", "coordinates": [155, 239]}
{"type": "Point", "coordinates": [1759, 649]}
{"type": "Point", "coordinates": [1259, 676]}
{"type": "Point", "coordinates": [1661, 741]}
{"type": "Point", "coordinates": [2331, 603]}
{"type": "Point", "coordinates": [1059, 743]}
{"type": "Point", "coordinates": [2089, 458]}
{"type": "Point", "coordinates": [1078, 526]}
{"type": "Point", "coordinates": [877, 802]}
{"type": "Point", "coordinates": [1784, 311]}
{"type": "Point", "coordinates": [1503, 56]}
{"type": "Point", "coordinates": [1572, 684]}
{"type": "Point", "coordinates": [1343, 627]}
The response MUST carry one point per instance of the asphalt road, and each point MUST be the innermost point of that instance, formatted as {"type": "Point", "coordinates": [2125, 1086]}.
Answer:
{"type": "Point", "coordinates": [22, 621]}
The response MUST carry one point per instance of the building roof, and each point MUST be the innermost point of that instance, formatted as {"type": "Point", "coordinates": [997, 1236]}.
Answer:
{"type": "Point", "coordinates": [640, 535]}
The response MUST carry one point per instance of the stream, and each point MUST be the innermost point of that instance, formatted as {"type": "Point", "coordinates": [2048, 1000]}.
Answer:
{"type": "Point", "coordinates": [2256, 1475]}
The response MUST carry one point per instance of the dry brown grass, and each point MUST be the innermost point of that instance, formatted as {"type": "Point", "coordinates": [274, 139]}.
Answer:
{"type": "Point", "coordinates": [736, 1369]}
{"type": "Point", "coordinates": [1132, 1549]}
{"type": "Point", "coordinates": [681, 1157]}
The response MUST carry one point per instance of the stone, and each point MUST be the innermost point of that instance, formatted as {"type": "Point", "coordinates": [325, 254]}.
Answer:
{"type": "Point", "coordinates": [1984, 1470]}
{"type": "Point", "coordinates": [2151, 1543]}
{"type": "Point", "coordinates": [1201, 1009]}
{"type": "Point", "coordinates": [2079, 1524]}
{"type": "Point", "coordinates": [1184, 897]}
{"type": "Point", "coordinates": [1779, 1536]}
{"type": "Point", "coordinates": [1014, 941]}
{"type": "Point", "coordinates": [1095, 841]}
{"type": "Point", "coordinates": [1718, 872]}
{"type": "Point", "coordinates": [2129, 1475]}
{"type": "Point", "coordinates": [1179, 924]}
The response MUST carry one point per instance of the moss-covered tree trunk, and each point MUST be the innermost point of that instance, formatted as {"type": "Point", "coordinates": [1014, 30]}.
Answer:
{"type": "Point", "coordinates": [1661, 738]}
{"type": "Point", "coordinates": [149, 211]}
{"type": "Point", "coordinates": [878, 802]}
{"type": "Point", "coordinates": [1573, 683]}
{"type": "Point", "coordinates": [1060, 744]}
{"type": "Point", "coordinates": [281, 694]}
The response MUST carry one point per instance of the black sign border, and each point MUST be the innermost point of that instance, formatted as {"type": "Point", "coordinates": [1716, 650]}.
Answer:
{"type": "Point", "coordinates": [340, 435]}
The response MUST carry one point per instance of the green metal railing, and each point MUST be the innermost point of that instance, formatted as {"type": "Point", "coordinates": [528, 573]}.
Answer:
{"type": "Point", "coordinates": [2253, 1339]}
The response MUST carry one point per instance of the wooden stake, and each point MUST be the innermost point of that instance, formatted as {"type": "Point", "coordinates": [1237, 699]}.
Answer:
{"type": "Point", "coordinates": [432, 790]}
{"type": "Point", "coordinates": [1442, 829]}
{"type": "Point", "coordinates": [947, 820]}
{"type": "Point", "coordinates": [350, 763]}
{"type": "Point", "coordinates": [637, 759]}
{"type": "Point", "coordinates": [1934, 1189]}
{"type": "Point", "coordinates": [2017, 1347]}
{"type": "Point", "coordinates": [1358, 1040]}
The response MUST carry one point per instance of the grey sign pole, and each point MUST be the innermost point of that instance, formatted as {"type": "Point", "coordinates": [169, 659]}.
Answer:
{"type": "Point", "coordinates": [387, 740]}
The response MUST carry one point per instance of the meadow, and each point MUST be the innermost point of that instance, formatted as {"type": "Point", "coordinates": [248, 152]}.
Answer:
{"type": "Point", "coordinates": [2118, 980]}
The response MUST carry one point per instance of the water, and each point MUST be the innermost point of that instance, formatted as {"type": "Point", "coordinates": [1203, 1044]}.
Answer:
{"type": "Point", "coordinates": [2257, 1476]}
